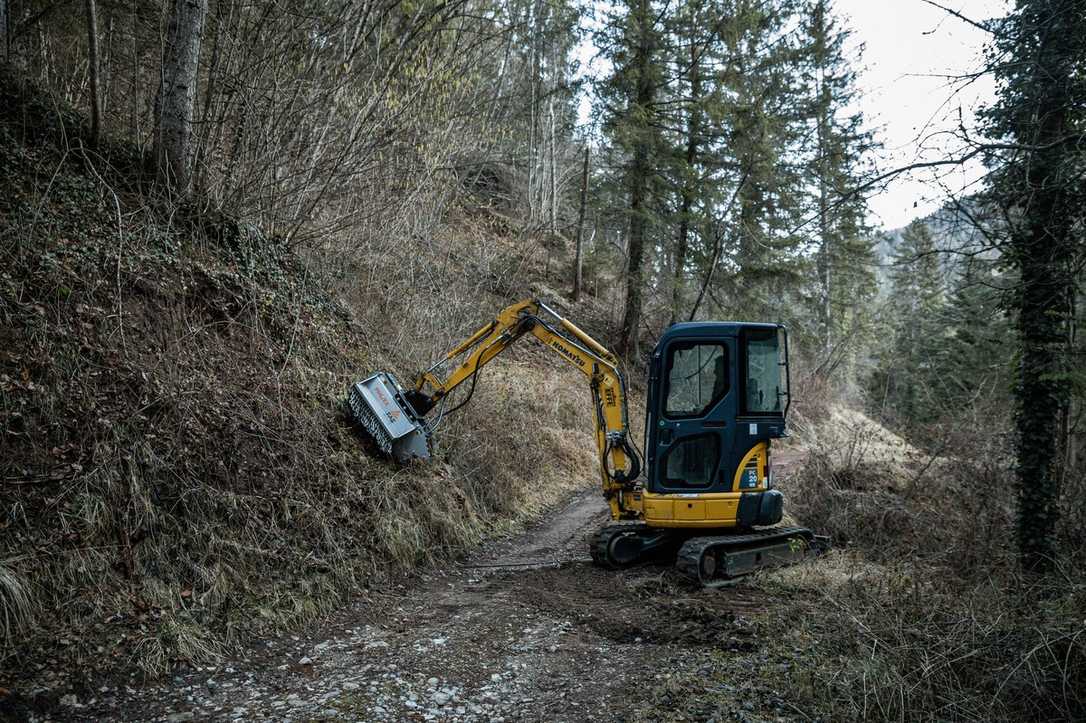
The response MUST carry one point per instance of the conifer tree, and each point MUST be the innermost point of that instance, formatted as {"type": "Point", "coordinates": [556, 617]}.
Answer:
{"type": "Point", "coordinates": [763, 117]}
{"type": "Point", "coordinates": [633, 42]}
{"type": "Point", "coordinates": [977, 352]}
{"type": "Point", "coordinates": [844, 250]}
{"type": "Point", "coordinates": [1039, 57]}
{"type": "Point", "coordinates": [908, 364]}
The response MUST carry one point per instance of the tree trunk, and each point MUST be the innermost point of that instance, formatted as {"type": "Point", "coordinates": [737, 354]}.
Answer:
{"type": "Point", "coordinates": [578, 257]}
{"type": "Point", "coordinates": [822, 105]}
{"type": "Point", "coordinates": [554, 170]}
{"type": "Point", "coordinates": [689, 189]}
{"type": "Point", "coordinates": [93, 67]}
{"type": "Point", "coordinates": [640, 174]}
{"type": "Point", "coordinates": [177, 95]}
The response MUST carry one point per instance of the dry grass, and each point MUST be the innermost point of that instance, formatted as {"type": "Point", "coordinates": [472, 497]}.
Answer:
{"type": "Point", "coordinates": [15, 606]}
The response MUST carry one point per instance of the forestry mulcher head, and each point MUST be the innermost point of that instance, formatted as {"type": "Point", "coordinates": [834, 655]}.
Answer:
{"type": "Point", "coordinates": [380, 406]}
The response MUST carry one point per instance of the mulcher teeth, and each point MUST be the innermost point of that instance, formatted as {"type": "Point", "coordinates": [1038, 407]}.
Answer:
{"type": "Point", "coordinates": [368, 420]}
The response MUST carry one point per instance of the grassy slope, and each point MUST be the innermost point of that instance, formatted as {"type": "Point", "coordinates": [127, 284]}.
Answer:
{"type": "Point", "coordinates": [177, 474]}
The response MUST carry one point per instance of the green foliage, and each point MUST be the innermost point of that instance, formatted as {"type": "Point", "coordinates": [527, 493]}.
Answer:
{"type": "Point", "coordinates": [907, 378]}
{"type": "Point", "coordinates": [1039, 56]}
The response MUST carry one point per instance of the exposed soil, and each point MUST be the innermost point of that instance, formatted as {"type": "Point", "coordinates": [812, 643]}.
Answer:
{"type": "Point", "coordinates": [524, 629]}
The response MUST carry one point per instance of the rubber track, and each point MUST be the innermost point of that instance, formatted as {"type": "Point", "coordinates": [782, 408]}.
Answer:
{"type": "Point", "coordinates": [600, 547]}
{"type": "Point", "coordinates": [689, 559]}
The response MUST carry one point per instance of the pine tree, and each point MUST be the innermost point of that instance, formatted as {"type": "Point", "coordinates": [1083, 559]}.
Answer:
{"type": "Point", "coordinates": [845, 258]}
{"type": "Point", "coordinates": [763, 116]}
{"type": "Point", "coordinates": [906, 376]}
{"type": "Point", "coordinates": [633, 42]}
{"type": "Point", "coordinates": [695, 136]}
{"type": "Point", "coordinates": [977, 354]}
{"type": "Point", "coordinates": [1039, 57]}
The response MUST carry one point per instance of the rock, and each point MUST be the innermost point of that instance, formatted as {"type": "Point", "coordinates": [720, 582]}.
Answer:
{"type": "Point", "coordinates": [305, 661]}
{"type": "Point", "coordinates": [179, 717]}
{"type": "Point", "coordinates": [350, 685]}
{"type": "Point", "coordinates": [69, 701]}
{"type": "Point", "coordinates": [432, 682]}
{"type": "Point", "coordinates": [440, 698]}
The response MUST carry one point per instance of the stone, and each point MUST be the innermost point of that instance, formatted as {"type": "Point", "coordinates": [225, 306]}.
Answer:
{"type": "Point", "coordinates": [179, 717]}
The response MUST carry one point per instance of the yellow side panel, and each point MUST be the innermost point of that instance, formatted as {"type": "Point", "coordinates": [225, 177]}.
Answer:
{"type": "Point", "coordinates": [704, 511]}
{"type": "Point", "coordinates": [658, 509]}
{"type": "Point", "coordinates": [723, 510]}
{"type": "Point", "coordinates": [689, 510]}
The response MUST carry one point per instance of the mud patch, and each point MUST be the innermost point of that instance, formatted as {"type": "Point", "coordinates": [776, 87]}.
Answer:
{"type": "Point", "coordinates": [649, 605]}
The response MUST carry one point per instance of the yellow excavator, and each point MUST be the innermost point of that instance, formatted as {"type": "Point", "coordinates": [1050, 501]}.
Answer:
{"type": "Point", "coordinates": [718, 393]}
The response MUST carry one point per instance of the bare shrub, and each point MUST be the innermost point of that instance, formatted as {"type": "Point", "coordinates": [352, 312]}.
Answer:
{"type": "Point", "coordinates": [925, 620]}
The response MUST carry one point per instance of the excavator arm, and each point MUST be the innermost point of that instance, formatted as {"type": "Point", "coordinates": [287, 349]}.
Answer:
{"type": "Point", "coordinates": [620, 464]}
{"type": "Point", "coordinates": [396, 418]}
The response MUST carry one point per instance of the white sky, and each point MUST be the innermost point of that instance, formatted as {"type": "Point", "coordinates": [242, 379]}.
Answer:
{"type": "Point", "coordinates": [908, 45]}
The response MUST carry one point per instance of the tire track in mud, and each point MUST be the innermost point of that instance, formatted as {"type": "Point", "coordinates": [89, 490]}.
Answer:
{"type": "Point", "coordinates": [522, 629]}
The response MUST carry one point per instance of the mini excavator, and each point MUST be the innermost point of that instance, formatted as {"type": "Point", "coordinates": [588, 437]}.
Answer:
{"type": "Point", "coordinates": [718, 393]}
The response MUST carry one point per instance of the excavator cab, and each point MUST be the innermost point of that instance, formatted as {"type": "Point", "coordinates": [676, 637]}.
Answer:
{"type": "Point", "coordinates": [718, 392]}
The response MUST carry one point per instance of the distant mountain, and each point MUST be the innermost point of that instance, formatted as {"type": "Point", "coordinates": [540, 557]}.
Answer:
{"type": "Point", "coordinates": [955, 233]}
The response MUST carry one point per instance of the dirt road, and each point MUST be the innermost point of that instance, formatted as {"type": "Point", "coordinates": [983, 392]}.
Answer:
{"type": "Point", "coordinates": [525, 629]}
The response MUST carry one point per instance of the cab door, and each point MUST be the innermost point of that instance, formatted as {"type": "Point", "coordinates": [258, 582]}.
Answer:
{"type": "Point", "coordinates": [691, 405]}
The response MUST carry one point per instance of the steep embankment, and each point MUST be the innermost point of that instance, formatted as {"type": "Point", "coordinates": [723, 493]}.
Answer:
{"type": "Point", "coordinates": [176, 471]}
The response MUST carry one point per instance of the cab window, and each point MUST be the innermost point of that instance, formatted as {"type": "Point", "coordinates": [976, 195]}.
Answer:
{"type": "Point", "coordinates": [697, 378]}
{"type": "Point", "coordinates": [763, 385]}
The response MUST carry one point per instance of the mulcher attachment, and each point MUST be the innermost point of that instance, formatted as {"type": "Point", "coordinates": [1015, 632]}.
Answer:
{"type": "Point", "coordinates": [380, 407]}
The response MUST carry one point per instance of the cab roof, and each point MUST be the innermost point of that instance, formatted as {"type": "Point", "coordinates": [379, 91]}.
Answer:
{"type": "Point", "coordinates": [712, 329]}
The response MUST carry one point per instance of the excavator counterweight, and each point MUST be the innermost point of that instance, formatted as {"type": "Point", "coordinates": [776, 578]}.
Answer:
{"type": "Point", "coordinates": [718, 394]}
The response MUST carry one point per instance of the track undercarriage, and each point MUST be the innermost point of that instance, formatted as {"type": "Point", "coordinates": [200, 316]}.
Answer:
{"type": "Point", "coordinates": [711, 560]}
